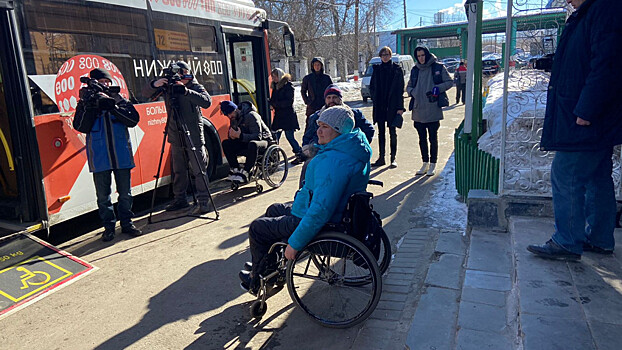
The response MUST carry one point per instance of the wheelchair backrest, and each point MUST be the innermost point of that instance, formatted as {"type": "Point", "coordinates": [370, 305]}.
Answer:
{"type": "Point", "coordinates": [362, 222]}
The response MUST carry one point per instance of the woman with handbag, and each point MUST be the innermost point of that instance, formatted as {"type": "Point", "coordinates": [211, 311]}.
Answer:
{"type": "Point", "coordinates": [285, 118]}
{"type": "Point", "coordinates": [429, 81]}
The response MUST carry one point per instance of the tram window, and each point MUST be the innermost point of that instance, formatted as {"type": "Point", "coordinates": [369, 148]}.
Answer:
{"type": "Point", "coordinates": [57, 31]}
{"type": "Point", "coordinates": [203, 38]}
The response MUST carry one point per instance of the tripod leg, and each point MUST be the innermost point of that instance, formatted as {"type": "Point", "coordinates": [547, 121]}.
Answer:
{"type": "Point", "coordinates": [157, 175]}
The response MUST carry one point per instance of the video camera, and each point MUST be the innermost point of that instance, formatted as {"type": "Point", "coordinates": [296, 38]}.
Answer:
{"type": "Point", "coordinates": [173, 74]}
{"type": "Point", "coordinates": [93, 88]}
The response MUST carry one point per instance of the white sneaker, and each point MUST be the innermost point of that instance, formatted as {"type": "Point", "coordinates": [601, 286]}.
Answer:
{"type": "Point", "coordinates": [423, 169]}
{"type": "Point", "coordinates": [431, 169]}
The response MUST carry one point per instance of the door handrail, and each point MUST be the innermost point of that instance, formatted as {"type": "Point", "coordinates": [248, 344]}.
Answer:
{"type": "Point", "coordinates": [7, 150]}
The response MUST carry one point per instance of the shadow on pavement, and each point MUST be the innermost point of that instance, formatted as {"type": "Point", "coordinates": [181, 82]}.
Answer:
{"type": "Point", "coordinates": [192, 294]}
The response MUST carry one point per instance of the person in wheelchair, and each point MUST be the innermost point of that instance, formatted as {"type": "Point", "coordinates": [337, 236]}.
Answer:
{"type": "Point", "coordinates": [340, 168]}
{"type": "Point", "coordinates": [248, 135]}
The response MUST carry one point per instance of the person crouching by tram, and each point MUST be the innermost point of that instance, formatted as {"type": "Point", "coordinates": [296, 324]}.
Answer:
{"type": "Point", "coordinates": [339, 169]}
{"type": "Point", "coordinates": [104, 116]}
{"type": "Point", "coordinates": [248, 134]}
{"type": "Point", "coordinates": [189, 104]}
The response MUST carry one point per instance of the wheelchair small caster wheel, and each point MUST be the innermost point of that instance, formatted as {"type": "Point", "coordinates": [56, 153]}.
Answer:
{"type": "Point", "coordinates": [258, 308]}
{"type": "Point", "coordinates": [235, 186]}
{"type": "Point", "coordinates": [259, 188]}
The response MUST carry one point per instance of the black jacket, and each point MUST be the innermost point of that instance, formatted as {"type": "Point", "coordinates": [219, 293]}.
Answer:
{"type": "Point", "coordinates": [313, 86]}
{"type": "Point", "coordinates": [190, 104]}
{"type": "Point", "coordinates": [282, 100]}
{"type": "Point", "coordinates": [390, 98]}
{"type": "Point", "coordinates": [250, 123]}
{"type": "Point", "coordinates": [587, 55]}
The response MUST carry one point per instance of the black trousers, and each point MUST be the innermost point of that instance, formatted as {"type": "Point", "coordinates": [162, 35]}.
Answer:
{"type": "Point", "coordinates": [234, 148]}
{"type": "Point", "coordinates": [460, 90]}
{"type": "Point", "coordinates": [382, 139]}
{"type": "Point", "coordinates": [431, 129]}
{"type": "Point", "coordinates": [275, 226]}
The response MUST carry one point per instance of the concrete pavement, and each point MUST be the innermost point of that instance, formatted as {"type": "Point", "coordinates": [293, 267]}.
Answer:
{"type": "Point", "coordinates": [487, 292]}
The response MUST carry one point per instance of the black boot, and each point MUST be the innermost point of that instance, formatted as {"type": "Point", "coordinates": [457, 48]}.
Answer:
{"type": "Point", "coordinates": [379, 162]}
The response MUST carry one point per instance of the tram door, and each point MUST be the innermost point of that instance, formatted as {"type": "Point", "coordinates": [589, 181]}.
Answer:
{"type": "Point", "coordinates": [248, 70]}
{"type": "Point", "coordinates": [22, 196]}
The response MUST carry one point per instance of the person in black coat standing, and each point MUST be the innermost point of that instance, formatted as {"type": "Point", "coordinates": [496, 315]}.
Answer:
{"type": "Point", "coordinates": [285, 118]}
{"type": "Point", "coordinates": [313, 86]}
{"type": "Point", "coordinates": [582, 123]}
{"type": "Point", "coordinates": [387, 94]}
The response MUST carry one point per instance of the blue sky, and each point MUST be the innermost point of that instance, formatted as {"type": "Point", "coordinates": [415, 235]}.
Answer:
{"type": "Point", "coordinates": [424, 10]}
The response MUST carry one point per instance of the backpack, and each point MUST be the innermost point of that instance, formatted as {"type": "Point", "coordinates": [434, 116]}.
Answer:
{"type": "Point", "coordinates": [364, 223]}
{"type": "Point", "coordinates": [437, 77]}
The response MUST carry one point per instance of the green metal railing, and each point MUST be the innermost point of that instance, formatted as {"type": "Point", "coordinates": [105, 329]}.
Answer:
{"type": "Point", "coordinates": [475, 169]}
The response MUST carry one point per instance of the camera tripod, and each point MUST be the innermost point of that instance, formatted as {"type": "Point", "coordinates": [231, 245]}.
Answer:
{"type": "Point", "coordinates": [187, 145]}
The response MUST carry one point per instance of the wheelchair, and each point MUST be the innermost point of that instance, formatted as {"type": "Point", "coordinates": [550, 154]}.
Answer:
{"type": "Point", "coordinates": [271, 166]}
{"type": "Point", "coordinates": [336, 279]}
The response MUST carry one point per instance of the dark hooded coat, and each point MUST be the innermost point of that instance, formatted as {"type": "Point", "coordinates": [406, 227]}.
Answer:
{"type": "Point", "coordinates": [282, 100]}
{"type": "Point", "coordinates": [313, 86]}
{"type": "Point", "coordinates": [588, 53]}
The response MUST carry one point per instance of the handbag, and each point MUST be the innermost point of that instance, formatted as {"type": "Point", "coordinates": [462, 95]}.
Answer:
{"type": "Point", "coordinates": [443, 100]}
{"type": "Point", "coordinates": [397, 121]}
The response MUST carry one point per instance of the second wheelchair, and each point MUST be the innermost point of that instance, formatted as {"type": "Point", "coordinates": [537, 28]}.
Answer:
{"type": "Point", "coordinates": [271, 166]}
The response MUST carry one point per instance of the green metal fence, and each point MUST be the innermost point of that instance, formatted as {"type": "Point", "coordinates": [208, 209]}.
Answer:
{"type": "Point", "coordinates": [475, 169]}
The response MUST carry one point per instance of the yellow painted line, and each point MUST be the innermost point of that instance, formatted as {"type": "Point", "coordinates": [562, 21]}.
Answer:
{"type": "Point", "coordinates": [9, 156]}
{"type": "Point", "coordinates": [16, 298]}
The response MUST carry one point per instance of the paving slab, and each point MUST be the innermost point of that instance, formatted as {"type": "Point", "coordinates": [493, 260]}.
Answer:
{"type": "Point", "coordinates": [606, 336]}
{"type": "Point", "coordinates": [490, 251]}
{"type": "Point", "coordinates": [469, 339]}
{"type": "Point", "coordinates": [481, 317]}
{"type": "Point", "coordinates": [552, 333]}
{"type": "Point", "coordinates": [451, 242]}
{"type": "Point", "coordinates": [488, 280]}
{"type": "Point", "coordinates": [445, 272]}
{"type": "Point", "coordinates": [484, 296]}
{"type": "Point", "coordinates": [433, 326]}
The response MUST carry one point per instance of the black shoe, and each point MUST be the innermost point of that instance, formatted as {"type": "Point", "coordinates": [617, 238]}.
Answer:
{"type": "Point", "coordinates": [132, 230]}
{"type": "Point", "coordinates": [202, 208]}
{"type": "Point", "coordinates": [379, 162]}
{"type": "Point", "coordinates": [587, 247]}
{"type": "Point", "coordinates": [552, 250]}
{"type": "Point", "coordinates": [248, 266]}
{"type": "Point", "coordinates": [248, 281]}
{"type": "Point", "coordinates": [108, 235]}
{"type": "Point", "coordinates": [177, 205]}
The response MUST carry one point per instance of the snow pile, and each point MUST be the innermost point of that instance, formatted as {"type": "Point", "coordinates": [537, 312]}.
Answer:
{"type": "Point", "coordinates": [527, 169]}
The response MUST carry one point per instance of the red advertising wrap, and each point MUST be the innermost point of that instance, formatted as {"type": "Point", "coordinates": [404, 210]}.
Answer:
{"type": "Point", "coordinates": [67, 85]}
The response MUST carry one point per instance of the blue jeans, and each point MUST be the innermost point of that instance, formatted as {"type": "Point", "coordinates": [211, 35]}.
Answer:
{"type": "Point", "coordinates": [103, 189]}
{"type": "Point", "coordinates": [583, 192]}
{"type": "Point", "coordinates": [289, 135]}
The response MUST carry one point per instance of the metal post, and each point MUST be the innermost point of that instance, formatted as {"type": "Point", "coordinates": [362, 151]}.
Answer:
{"type": "Point", "coordinates": [506, 77]}
{"type": "Point", "coordinates": [356, 39]}
{"type": "Point", "coordinates": [468, 117]}
{"type": "Point", "coordinates": [405, 22]}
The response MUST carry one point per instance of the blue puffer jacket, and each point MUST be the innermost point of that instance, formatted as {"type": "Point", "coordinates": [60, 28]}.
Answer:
{"type": "Point", "coordinates": [340, 169]}
{"type": "Point", "coordinates": [108, 144]}
{"type": "Point", "coordinates": [586, 61]}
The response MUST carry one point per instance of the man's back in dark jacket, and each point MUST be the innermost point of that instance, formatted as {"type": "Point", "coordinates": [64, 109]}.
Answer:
{"type": "Point", "coordinates": [586, 57]}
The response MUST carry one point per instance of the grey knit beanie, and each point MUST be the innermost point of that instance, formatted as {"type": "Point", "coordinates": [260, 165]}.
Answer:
{"type": "Point", "coordinates": [339, 118]}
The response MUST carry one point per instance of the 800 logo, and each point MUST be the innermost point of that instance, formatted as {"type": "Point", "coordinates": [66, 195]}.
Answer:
{"type": "Point", "coordinates": [67, 84]}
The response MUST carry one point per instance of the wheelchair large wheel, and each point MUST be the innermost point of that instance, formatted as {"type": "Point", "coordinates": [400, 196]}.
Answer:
{"type": "Point", "coordinates": [274, 167]}
{"type": "Point", "coordinates": [317, 280]}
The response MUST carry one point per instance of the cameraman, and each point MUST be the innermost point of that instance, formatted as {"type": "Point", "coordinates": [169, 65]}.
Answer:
{"type": "Point", "coordinates": [189, 100]}
{"type": "Point", "coordinates": [104, 116]}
